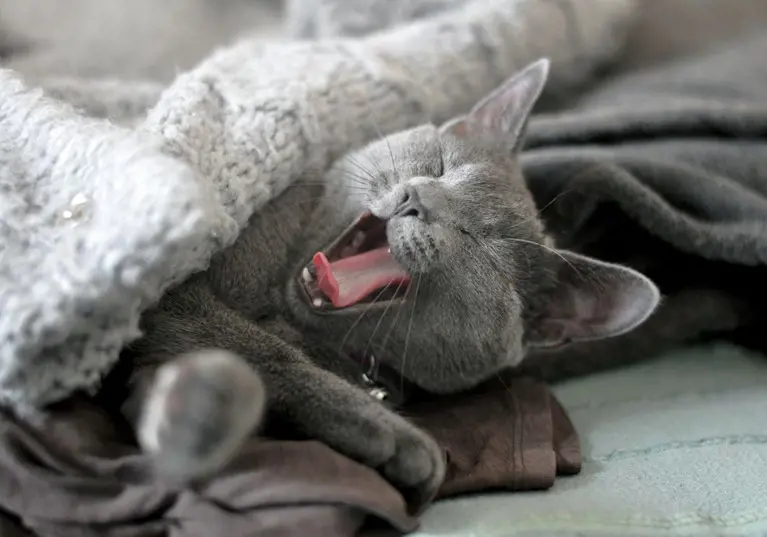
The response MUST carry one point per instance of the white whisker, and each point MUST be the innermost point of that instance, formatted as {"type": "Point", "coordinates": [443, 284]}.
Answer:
{"type": "Point", "coordinates": [407, 335]}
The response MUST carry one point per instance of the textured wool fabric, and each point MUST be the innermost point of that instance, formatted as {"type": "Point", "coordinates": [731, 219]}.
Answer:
{"type": "Point", "coordinates": [136, 39]}
{"type": "Point", "coordinates": [97, 219]}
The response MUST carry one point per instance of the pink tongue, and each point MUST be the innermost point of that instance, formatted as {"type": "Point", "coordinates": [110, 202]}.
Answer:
{"type": "Point", "coordinates": [349, 280]}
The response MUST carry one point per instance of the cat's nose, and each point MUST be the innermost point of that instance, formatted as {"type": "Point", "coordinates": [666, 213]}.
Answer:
{"type": "Point", "coordinates": [410, 204]}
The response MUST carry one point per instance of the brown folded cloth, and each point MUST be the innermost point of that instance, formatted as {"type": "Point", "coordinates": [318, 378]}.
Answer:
{"type": "Point", "coordinates": [512, 434]}
{"type": "Point", "coordinates": [83, 477]}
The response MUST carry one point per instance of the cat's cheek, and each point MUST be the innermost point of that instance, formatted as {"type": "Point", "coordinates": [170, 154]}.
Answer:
{"type": "Point", "coordinates": [404, 246]}
{"type": "Point", "coordinates": [515, 354]}
{"type": "Point", "coordinates": [514, 348]}
{"type": "Point", "coordinates": [445, 249]}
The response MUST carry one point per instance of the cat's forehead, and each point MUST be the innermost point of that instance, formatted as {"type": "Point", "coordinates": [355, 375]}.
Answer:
{"type": "Point", "coordinates": [416, 142]}
{"type": "Point", "coordinates": [414, 150]}
{"type": "Point", "coordinates": [424, 151]}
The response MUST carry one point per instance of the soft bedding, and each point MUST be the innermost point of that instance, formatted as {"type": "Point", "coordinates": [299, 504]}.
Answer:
{"type": "Point", "coordinates": [671, 447]}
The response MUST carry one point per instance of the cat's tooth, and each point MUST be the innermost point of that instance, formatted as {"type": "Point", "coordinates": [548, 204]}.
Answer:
{"type": "Point", "coordinates": [306, 275]}
{"type": "Point", "coordinates": [317, 302]}
{"type": "Point", "coordinates": [378, 393]}
{"type": "Point", "coordinates": [359, 238]}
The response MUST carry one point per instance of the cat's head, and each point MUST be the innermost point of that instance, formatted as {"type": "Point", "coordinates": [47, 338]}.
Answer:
{"type": "Point", "coordinates": [447, 275]}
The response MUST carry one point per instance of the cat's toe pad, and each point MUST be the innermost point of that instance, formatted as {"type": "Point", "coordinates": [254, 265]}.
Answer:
{"type": "Point", "coordinates": [199, 410]}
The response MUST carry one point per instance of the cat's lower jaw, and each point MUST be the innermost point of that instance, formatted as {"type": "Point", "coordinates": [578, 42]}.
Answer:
{"type": "Point", "coordinates": [199, 410]}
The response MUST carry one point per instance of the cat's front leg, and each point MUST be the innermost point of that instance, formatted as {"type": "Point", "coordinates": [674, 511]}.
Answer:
{"type": "Point", "coordinates": [192, 415]}
{"type": "Point", "coordinates": [199, 409]}
{"type": "Point", "coordinates": [348, 419]}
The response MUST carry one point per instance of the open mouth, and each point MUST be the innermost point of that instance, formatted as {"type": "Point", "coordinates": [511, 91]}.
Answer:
{"type": "Point", "coordinates": [356, 268]}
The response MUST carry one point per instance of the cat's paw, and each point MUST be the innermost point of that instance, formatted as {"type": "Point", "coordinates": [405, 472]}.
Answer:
{"type": "Point", "coordinates": [416, 464]}
{"type": "Point", "coordinates": [409, 458]}
{"type": "Point", "coordinates": [199, 410]}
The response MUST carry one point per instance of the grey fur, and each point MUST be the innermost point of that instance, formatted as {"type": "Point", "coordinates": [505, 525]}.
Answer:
{"type": "Point", "coordinates": [485, 287]}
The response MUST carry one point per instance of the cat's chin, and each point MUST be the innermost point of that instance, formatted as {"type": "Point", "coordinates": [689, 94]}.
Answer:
{"type": "Point", "coordinates": [356, 272]}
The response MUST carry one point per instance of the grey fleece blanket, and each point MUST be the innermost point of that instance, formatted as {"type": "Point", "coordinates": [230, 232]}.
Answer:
{"type": "Point", "coordinates": [666, 170]}
{"type": "Point", "coordinates": [103, 208]}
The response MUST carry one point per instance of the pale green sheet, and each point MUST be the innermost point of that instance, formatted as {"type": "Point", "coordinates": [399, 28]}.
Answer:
{"type": "Point", "coordinates": [672, 447]}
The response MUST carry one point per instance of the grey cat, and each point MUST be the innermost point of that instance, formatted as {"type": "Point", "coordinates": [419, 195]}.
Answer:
{"type": "Point", "coordinates": [424, 249]}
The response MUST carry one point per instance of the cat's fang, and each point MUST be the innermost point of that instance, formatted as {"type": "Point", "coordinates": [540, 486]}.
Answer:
{"type": "Point", "coordinates": [306, 275]}
{"type": "Point", "coordinates": [378, 393]}
{"type": "Point", "coordinates": [318, 302]}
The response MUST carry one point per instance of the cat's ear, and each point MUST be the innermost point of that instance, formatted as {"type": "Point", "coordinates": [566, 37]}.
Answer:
{"type": "Point", "coordinates": [592, 300]}
{"type": "Point", "coordinates": [503, 114]}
